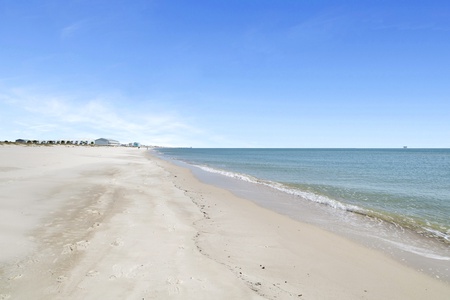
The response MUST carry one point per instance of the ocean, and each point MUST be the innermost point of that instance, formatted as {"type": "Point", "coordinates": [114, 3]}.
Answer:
{"type": "Point", "coordinates": [396, 200]}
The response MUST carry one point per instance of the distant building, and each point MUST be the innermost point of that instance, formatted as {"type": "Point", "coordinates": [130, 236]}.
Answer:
{"type": "Point", "coordinates": [23, 141]}
{"type": "Point", "coordinates": [106, 142]}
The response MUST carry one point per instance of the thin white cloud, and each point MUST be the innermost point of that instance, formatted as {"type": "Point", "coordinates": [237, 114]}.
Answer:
{"type": "Point", "coordinates": [37, 127]}
{"type": "Point", "coordinates": [72, 29]}
{"type": "Point", "coordinates": [58, 117]}
{"type": "Point", "coordinates": [410, 26]}
{"type": "Point", "coordinates": [320, 26]}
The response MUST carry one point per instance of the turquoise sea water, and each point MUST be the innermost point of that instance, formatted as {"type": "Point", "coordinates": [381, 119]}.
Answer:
{"type": "Point", "coordinates": [406, 187]}
{"type": "Point", "coordinates": [393, 200]}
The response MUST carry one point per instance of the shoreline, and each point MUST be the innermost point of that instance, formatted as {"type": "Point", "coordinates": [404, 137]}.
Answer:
{"type": "Point", "coordinates": [121, 223]}
{"type": "Point", "coordinates": [405, 246]}
{"type": "Point", "coordinates": [398, 201]}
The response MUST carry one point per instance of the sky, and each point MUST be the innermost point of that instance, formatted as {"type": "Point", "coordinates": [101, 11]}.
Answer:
{"type": "Point", "coordinates": [235, 73]}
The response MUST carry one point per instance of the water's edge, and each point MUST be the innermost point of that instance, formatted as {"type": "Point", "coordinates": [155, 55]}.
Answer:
{"type": "Point", "coordinates": [408, 247]}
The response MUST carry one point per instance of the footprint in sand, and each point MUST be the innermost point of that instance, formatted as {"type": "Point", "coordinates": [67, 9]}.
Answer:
{"type": "Point", "coordinates": [117, 242]}
{"type": "Point", "coordinates": [15, 277]}
{"type": "Point", "coordinates": [92, 273]}
{"type": "Point", "coordinates": [117, 272]}
{"type": "Point", "coordinates": [173, 285]}
{"type": "Point", "coordinates": [70, 248]}
{"type": "Point", "coordinates": [94, 212]}
{"type": "Point", "coordinates": [95, 226]}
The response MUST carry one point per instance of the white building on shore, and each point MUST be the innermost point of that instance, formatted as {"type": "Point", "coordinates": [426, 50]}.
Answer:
{"type": "Point", "coordinates": [106, 142]}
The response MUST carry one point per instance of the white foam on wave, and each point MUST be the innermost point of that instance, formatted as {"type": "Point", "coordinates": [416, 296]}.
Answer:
{"type": "Point", "coordinates": [229, 174]}
{"type": "Point", "coordinates": [282, 188]}
{"type": "Point", "coordinates": [417, 250]}
{"type": "Point", "coordinates": [438, 233]}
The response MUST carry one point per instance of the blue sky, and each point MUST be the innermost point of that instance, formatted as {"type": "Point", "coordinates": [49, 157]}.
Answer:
{"type": "Point", "coordinates": [227, 73]}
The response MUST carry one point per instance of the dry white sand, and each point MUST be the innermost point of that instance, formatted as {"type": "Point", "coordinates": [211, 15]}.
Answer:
{"type": "Point", "coordinates": [115, 223]}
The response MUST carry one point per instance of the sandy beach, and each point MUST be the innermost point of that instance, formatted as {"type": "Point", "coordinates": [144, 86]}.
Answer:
{"type": "Point", "coordinates": [118, 223]}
